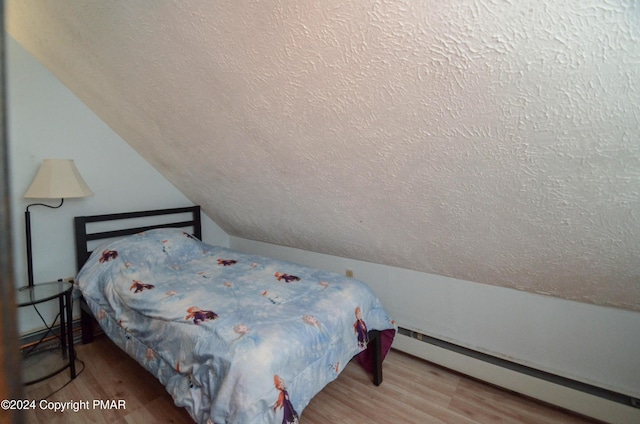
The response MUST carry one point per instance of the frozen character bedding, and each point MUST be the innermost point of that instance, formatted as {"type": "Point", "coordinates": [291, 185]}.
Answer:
{"type": "Point", "coordinates": [235, 338]}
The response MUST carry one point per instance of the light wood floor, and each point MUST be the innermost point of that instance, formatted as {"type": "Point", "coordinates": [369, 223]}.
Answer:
{"type": "Point", "coordinates": [413, 391]}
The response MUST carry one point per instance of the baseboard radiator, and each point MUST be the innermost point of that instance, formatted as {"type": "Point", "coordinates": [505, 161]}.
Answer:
{"type": "Point", "coordinates": [585, 399]}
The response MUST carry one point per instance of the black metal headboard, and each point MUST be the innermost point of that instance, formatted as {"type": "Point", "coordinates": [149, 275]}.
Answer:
{"type": "Point", "coordinates": [83, 237]}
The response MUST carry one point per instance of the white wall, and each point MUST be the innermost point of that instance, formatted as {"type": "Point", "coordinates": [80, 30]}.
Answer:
{"type": "Point", "coordinates": [46, 120]}
{"type": "Point", "coordinates": [589, 343]}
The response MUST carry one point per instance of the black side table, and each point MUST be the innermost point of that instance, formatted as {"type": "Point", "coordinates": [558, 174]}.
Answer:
{"type": "Point", "coordinates": [53, 361]}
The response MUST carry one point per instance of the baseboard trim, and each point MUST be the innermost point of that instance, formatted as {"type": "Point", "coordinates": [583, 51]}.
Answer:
{"type": "Point", "coordinates": [581, 398]}
{"type": "Point", "coordinates": [29, 340]}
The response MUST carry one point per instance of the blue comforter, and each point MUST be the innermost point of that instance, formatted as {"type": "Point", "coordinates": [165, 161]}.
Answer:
{"type": "Point", "coordinates": [235, 338]}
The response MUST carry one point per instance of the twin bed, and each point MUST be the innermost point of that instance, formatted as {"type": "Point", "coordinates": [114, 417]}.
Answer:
{"type": "Point", "coordinates": [234, 338]}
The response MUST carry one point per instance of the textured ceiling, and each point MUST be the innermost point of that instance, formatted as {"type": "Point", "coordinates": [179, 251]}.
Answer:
{"type": "Point", "coordinates": [492, 141]}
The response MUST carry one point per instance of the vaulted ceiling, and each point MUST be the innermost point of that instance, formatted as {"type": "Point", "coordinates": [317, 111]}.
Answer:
{"type": "Point", "coordinates": [492, 141]}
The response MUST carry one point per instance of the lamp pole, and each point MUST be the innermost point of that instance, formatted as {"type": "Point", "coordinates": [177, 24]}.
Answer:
{"type": "Point", "coordinates": [27, 219]}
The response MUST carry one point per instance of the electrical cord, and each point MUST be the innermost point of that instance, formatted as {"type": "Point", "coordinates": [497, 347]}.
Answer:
{"type": "Point", "coordinates": [49, 330]}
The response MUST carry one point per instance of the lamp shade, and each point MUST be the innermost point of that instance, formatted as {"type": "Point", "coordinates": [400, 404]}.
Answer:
{"type": "Point", "coordinates": [58, 179]}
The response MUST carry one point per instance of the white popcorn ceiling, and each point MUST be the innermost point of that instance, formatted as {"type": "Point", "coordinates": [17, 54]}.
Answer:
{"type": "Point", "coordinates": [491, 141]}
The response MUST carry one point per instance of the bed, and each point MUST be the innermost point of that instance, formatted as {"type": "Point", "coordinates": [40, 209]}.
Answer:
{"type": "Point", "coordinates": [233, 337]}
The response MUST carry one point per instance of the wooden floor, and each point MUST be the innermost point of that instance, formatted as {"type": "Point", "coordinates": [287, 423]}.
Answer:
{"type": "Point", "coordinates": [413, 391]}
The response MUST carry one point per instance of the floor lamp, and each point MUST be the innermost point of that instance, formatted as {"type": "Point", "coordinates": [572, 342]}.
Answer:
{"type": "Point", "coordinates": [56, 179]}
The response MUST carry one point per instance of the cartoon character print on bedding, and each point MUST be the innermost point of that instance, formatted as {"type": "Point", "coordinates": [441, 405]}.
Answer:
{"type": "Point", "coordinates": [177, 247]}
{"type": "Point", "coordinates": [139, 286]}
{"type": "Point", "coordinates": [199, 315]}
{"type": "Point", "coordinates": [286, 277]}
{"type": "Point", "coordinates": [107, 255]}
{"type": "Point", "coordinates": [360, 328]}
{"type": "Point", "coordinates": [289, 414]}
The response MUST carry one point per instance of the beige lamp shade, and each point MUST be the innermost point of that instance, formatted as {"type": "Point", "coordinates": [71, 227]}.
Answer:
{"type": "Point", "coordinates": [58, 179]}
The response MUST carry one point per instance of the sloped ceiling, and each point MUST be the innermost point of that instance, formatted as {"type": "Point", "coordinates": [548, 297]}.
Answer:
{"type": "Point", "coordinates": [488, 140]}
